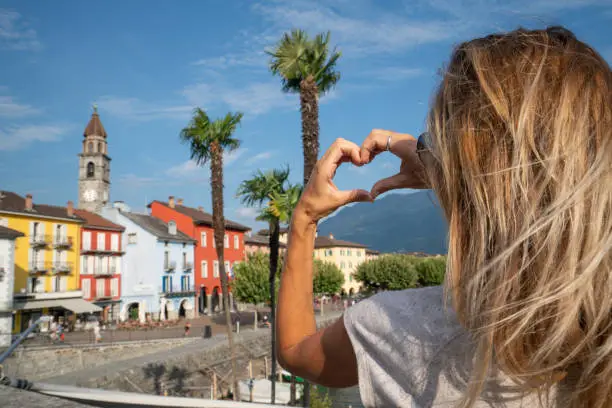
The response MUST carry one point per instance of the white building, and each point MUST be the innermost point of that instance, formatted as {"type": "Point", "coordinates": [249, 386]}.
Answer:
{"type": "Point", "coordinates": [7, 280]}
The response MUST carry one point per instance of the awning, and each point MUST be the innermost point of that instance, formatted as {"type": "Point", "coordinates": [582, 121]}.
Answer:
{"type": "Point", "coordinates": [75, 305]}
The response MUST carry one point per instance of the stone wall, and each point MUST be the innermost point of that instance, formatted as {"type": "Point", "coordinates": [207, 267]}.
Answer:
{"type": "Point", "coordinates": [34, 363]}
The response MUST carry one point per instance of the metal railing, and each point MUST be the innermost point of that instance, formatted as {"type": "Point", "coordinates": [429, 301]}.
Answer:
{"type": "Point", "coordinates": [178, 289]}
{"type": "Point", "coordinates": [62, 267]}
{"type": "Point", "coordinates": [170, 266]}
{"type": "Point", "coordinates": [39, 240]}
{"type": "Point", "coordinates": [187, 266]}
{"type": "Point", "coordinates": [62, 241]}
{"type": "Point", "coordinates": [111, 270]}
{"type": "Point", "coordinates": [39, 267]}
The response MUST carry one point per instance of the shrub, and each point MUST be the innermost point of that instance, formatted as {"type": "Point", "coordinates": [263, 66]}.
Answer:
{"type": "Point", "coordinates": [431, 271]}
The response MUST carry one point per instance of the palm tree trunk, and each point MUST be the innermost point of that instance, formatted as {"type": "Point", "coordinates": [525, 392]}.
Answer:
{"type": "Point", "coordinates": [216, 171]}
{"type": "Point", "coordinates": [309, 105]}
{"type": "Point", "coordinates": [274, 248]}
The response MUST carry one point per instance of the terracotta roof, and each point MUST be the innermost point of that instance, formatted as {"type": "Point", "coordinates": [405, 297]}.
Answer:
{"type": "Point", "coordinates": [260, 240]}
{"type": "Point", "coordinates": [327, 242]}
{"type": "Point", "coordinates": [96, 221]}
{"type": "Point", "coordinates": [157, 227]}
{"type": "Point", "coordinates": [266, 232]}
{"type": "Point", "coordinates": [372, 251]}
{"type": "Point", "coordinates": [201, 217]}
{"type": "Point", "coordinates": [7, 233]}
{"type": "Point", "coordinates": [94, 127]}
{"type": "Point", "coordinates": [11, 202]}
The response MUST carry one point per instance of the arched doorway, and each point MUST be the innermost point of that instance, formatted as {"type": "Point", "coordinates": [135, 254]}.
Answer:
{"type": "Point", "coordinates": [202, 302]}
{"type": "Point", "coordinates": [215, 301]}
{"type": "Point", "coordinates": [166, 311]}
{"type": "Point", "coordinates": [133, 311]}
{"type": "Point", "coordinates": [183, 309]}
{"type": "Point", "coordinates": [351, 292]}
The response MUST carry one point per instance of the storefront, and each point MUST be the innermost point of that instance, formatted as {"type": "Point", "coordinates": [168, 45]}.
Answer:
{"type": "Point", "coordinates": [64, 310]}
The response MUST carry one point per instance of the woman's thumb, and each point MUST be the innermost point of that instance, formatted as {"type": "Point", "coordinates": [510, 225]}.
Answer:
{"type": "Point", "coordinates": [387, 184]}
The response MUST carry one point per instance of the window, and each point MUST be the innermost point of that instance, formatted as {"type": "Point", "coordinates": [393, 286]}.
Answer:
{"type": "Point", "coordinates": [204, 271]}
{"type": "Point", "coordinates": [348, 252]}
{"type": "Point", "coordinates": [184, 260]}
{"type": "Point", "coordinates": [185, 283]}
{"type": "Point", "coordinates": [342, 265]}
{"type": "Point", "coordinates": [215, 269]}
{"type": "Point", "coordinates": [166, 260]}
{"type": "Point", "coordinates": [172, 228]}
{"type": "Point", "coordinates": [86, 240]}
{"type": "Point", "coordinates": [227, 268]}
{"type": "Point", "coordinates": [351, 277]}
{"type": "Point", "coordinates": [350, 264]}
{"type": "Point", "coordinates": [100, 147]}
{"type": "Point", "coordinates": [90, 147]}
{"type": "Point", "coordinates": [90, 169]}
{"type": "Point", "coordinates": [132, 238]}
{"type": "Point", "coordinates": [236, 242]}
{"type": "Point", "coordinates": [330, 252]}
{"type": "Point", "coordinates": [101, 241]}
{"type": "Point", "coordinates": [115, 242]}
{"type": "Point", "coordinates": [226, 241]}
{"type": "Point", "coordinates": [358, 253]}
{"type": "Point", "coordinates": [100, 288]}
{"type": "Point", "coordinates": [203, 239]}
{"type": "Point", "coordinates": [342, 252]}
{"type": "Point", "coordinates": [86, 288]}
{"type": "Point", "coordinates": [84, 265]}
{"type": "Point", "coordinates": [114, 287]}
{"type": "Point", "coordinates": [167, 283]}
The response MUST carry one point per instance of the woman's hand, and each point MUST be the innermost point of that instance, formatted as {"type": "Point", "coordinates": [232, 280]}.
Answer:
{"type": "Point", "coordinates": [321, 197]}
{"type": "Point", "coordinates": [411, 173]}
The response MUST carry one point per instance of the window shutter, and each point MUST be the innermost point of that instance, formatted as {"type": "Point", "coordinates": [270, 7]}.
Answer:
{"type": "Point", "coordinates": [63, 283]}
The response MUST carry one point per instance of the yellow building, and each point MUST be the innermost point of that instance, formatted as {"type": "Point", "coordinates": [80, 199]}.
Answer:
{"type": "Point", "coordinates": [46, 259]}
{"type": "Point", "coordinates": [346, 255]}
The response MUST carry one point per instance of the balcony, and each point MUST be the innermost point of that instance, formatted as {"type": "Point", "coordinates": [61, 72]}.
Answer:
{"type": "Point", "coordinates": [62, 267]}
{"type": "Point", "coordinates": [170, 266]}
{"type": "Point", "coordinates": [101, 251]}
{"type": "Point", "coordinates": [62, 242]}
{"type": "Point", "coordinates": [37, 267]}
{"type": "Point", "coordinates": [187, 266]}
{"type": "Point", "coordinates": [39, 240]}
{"type": "Point", "coordinates": [103, 296]}
{"type": "Point", "coordinates": [104, 272]}
{"type": "Point", "coordinates": [178, 291]}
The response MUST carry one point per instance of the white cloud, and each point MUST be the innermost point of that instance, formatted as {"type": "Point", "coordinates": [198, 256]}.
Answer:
{"type": "Point", "coordinates": [132, 180]}
{"type": "Point", "coordinates": [136, 109]}
{"type": "Point", "coordinates": [252, 58]}
{"type": "Point", "coordinates": [231, 157]}
{"type": "Point", "coordinates": [20, 136]}
{"type": "Point", "coordinates": [15, 34]}
{"type": "Point", "coordinates": [252, 99]}
{"type": "Point", "coordinates": [11, 109]}
{"type": "Point", "coordinates": [247, 212]}
{"type": "Point", "coordinates": [186, 169]}
{"type": "Point", "coordinates": [395, 73]}
{"type": "Point", "coordinates": [259, 157]}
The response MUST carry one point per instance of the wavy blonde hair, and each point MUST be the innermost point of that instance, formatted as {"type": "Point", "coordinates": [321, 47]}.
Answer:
{"type": "Point", "coordinates": [521, 131]}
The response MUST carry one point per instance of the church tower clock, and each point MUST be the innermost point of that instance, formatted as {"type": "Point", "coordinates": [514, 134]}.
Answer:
{"type": "Point", "coordinates": [94, 167]}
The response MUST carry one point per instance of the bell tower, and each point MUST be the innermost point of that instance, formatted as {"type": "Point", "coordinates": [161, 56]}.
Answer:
{"type": "Point", "coordinates": [94, 166]}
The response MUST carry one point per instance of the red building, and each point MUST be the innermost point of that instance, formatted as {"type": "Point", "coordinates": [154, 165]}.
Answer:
{"type": "Point", "coordinates": [101, 252]}
{"type": "Point", "coordinates": [198, 225]}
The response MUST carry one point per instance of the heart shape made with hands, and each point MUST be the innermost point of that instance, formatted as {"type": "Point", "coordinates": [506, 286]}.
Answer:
{"type": "Point", "coordinates": [321, 196]}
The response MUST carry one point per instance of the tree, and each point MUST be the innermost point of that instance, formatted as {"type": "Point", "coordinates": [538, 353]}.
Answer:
{"type": "Point", "coordinates": [251, 279]}
{"type": "Point", "coordinates": [281, 197]}
{"type": "Point", "coordinates": [306, 66]}
{"type": "Point", "coordinates": [389, 272]}
{"type": "Point", "coordinates": [328, 278]}
{"type": "Point", "coordinates": [207, 141]}
{"type": "Point", "coordinates": [431, 271]}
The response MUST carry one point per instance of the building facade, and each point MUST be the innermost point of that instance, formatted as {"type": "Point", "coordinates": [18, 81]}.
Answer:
{"type": "Point", "coordinates": [197, 224]}
{"type": "Point", "coordinates": [94, 167]}
{"type": "Point", "coordinates": [345, 255]}
{"type": "Point", "coordinates": [46, 259]}
{"type": "Point", "coordinates": [158, 277]}
{"type": "Point", "coordinates": [261, 243]}
{"type": "Point", "coordinates": [7, 279]}
{"type": "Point", "coordinates": [100, 263]}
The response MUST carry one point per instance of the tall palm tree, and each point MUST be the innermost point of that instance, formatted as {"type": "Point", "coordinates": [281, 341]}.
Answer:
{"type": "Point", "coordinates": [272, 187]}
{"type": "Point", "coordinates": [207, 141]}
{"type": "Point", "coordinates": [306, 66]}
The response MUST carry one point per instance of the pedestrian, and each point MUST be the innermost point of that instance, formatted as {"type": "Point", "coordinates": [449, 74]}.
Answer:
{"type": "Point", "coordinates": [236, 321]}
{"type": "Point", "coordinates": [97, 334]}
{"type": "Point", "coordinates": [60, 331]}
{"type": "Point", "coordinates": [187, 328]}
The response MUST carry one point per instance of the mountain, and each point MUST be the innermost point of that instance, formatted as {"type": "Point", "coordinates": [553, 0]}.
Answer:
{"type": "Point", "coordinates": [395, 223]}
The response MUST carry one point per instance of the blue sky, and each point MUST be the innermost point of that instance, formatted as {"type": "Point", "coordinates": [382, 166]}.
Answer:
{"type": "Point", "coordinates": [148, 63]}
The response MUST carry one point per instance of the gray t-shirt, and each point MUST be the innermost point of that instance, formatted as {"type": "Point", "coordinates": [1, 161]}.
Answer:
{"type": "Point", "coordinates": [412, 352]}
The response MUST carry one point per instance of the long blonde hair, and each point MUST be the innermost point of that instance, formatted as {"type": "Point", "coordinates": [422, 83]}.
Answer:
{"type": "Point", "coordinates": [521, 133]}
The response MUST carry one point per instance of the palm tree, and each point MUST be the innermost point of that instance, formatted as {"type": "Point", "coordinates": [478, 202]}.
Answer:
{"type": "Point", "coordinates": [207, 141]}
{"type": "Point", "coordinates": [306, 66]}
{"type": "Point", "coordinates": [272, 186]}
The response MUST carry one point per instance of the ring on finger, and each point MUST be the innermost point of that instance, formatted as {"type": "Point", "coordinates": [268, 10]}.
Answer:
{"type": "Point", "coordinates": [388, 148]}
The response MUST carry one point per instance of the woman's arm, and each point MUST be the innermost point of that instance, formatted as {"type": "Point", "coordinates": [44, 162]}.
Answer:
{"type": "Point", "coordinates": [326, 356]}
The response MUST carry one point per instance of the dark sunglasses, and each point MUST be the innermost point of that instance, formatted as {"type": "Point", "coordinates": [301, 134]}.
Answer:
{"type": "Point", "coordinates": [423, 144]}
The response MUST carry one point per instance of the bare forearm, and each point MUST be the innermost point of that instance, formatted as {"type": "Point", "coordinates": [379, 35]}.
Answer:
{"type": "Point", "coordinates": [295, 319]}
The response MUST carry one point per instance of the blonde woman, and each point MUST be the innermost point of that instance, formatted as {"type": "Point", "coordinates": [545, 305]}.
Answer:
{"type": "Point", "coordinates": [519, 154]}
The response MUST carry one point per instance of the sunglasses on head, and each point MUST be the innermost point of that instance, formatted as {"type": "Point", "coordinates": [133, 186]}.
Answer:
{"type": "Point", "coordinates": [423, 144]}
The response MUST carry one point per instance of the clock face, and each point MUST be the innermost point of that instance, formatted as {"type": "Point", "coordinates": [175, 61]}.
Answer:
{"type": "Point", "coordinates": [90, 195]}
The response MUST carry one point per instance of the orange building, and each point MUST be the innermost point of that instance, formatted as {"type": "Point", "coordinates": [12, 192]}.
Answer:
{"type": "Point", "coordinates": [197, 224]}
